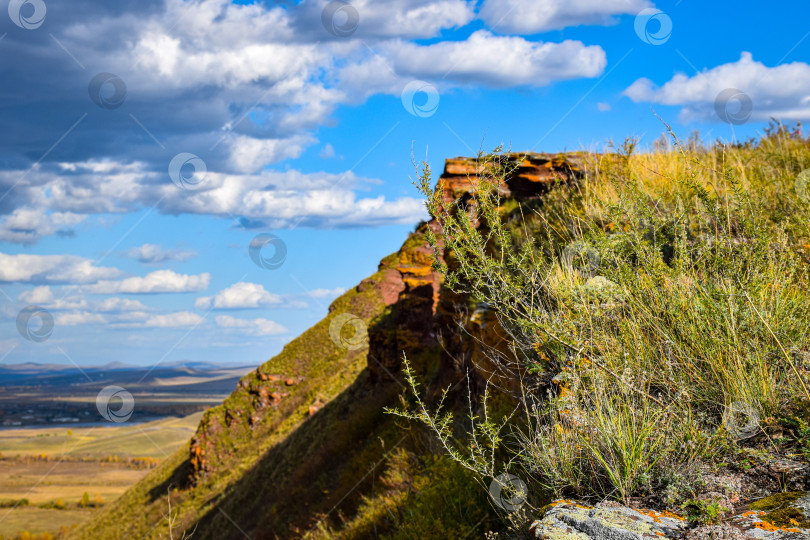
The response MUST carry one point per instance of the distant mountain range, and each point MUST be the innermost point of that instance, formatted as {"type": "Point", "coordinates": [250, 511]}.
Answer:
{"type": "Point", "coordinates": [35, 367]}
{"type": "Point", "coordinates": [67, 376]}
{"type": "Point", "coordinates": [37, 394]}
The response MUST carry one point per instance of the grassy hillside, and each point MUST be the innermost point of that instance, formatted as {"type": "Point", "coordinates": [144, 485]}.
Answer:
{"type": "Point", "coordinates": [660, 319]}
{"type": "Point", "coordinates": [606, 326]}
{"type": "Point", "coordinates": [304, 440]}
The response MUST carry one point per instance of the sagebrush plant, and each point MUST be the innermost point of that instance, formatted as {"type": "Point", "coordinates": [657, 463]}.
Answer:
{"type": "Point", "coordinates": [661, 289]}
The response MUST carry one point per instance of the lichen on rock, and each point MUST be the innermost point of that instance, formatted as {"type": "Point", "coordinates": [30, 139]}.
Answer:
{"type": "Point", "coordinates": [568, 520]}
{"type": "Point", "coordinates": [780, 516]}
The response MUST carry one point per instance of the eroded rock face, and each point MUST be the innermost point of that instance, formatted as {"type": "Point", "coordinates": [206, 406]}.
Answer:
{"type": "Point", "coordinates": [533, 174]}
{"type": "Point", "coordinates": [411, 312]}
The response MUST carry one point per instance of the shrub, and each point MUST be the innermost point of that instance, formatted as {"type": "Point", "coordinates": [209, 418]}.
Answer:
{"type": "Point", "coordinates": [665, 293]}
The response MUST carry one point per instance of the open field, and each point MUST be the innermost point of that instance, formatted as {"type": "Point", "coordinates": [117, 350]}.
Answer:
{"type": "Point", "coordinates": [155, 439]}
{"type": "Point", "coordinates": [57, 466]}
{"type": "Point", "coordinates": [59, 458]}
{"type": "Point", "coordinates": [40, 520]}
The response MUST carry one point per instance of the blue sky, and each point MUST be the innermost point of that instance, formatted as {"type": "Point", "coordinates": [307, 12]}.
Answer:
{"type": "Point", "coordinates": [305, 134]}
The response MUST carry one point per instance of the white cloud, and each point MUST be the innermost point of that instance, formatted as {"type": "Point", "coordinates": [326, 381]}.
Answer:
{"type": "Point", "coordinates": [129, 319]}
{"type": "Point", "coordinates": [779, 92]}
{"type": "Point", "coordinates": [281, 199]}
{"type": "Point", "coordinates": [28, 225]}
{"type": "Point", "coordinates": [394, 18]}
{"type": "Point", "coordinates": [76, 318]}
{"type": "Point", "coordinates": [327, 293]}
{"type": "Point", "coordinates": [120, 305]}
{"type": "Point", "coordinates": [603, 107]}
{"type": "Point", "coordinates": [52, 269]}
{"type": "Point", "coordinates": [500, 61]}
{"type": "Point", "coordinates": [174, 320]}
{"type": "Point", "coordinates": [160, 281]}
{"type": "Point", "coordinates": [38, 295]}
{"type": "Point", "coordinates": [412, 18]}
{"type": "Point", "coordinates": [327, 152]}
{"type": "Point", "coordinates": [68, 300]}
{"type": "Point", "coordinates": [246, 86]}
{"type": "Point", "coordinates": [240, 295]}
{"type": "Point", "coordinates": [277, 199]}
{"type": "Point", "coordinates": [249, 154]}
{"type": "Point", "coordinates": [534, 16]}
{"type": "Point", "coordinates": [44, 296]}
{"type": "Point", "coordinates": [153, 254]}
{"type": "Point", "coordinates": [255, 327]}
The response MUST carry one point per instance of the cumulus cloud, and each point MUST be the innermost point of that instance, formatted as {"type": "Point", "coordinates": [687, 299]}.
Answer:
{"type": "Point", "coordinates": [119, 305]}
{"type": "Point", "coordinates": [76, 318]}
{"type": "Point", "coordinates": [271, 198]}
{"type": "Point", "coordinates": [69, 300]}
{"type": "Point", "coordinates": [243, 87]}
{"type": "Point", "coordinates": [779, 92]}
{"type": "Point", "coordinates": [249, 154]}
{"type": "Point", "coordinates": [255, 327]}
{"type": "Point", "coordinates": [23, 268]}
{"type": "Point", "coordinates": [28, 225]}
{"type": "Point", "coordinates": [38, 295]}
{"type": "Point", "coordinates": [240, 295]}
{"type": "Point", "coordinates": [389, 18]}
{"type": "Point", "coordinates": [154, 254]}
{"type": "Point", "coordinates": [179, 319]}
{"type": "Point", "coordinates": [500, 61]}
{"type": "Point", "coordinates": [327, 293]}
{"type": "Point", "coordinates": [160, 281]}
{"type": "Point", "coordinates": [531, 16]}
{"type": "Point", "coordinates": [327, 152]}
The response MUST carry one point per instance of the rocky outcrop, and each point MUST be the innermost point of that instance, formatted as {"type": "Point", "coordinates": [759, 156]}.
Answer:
{"type": "Point", "coordinates": [414, 288]}
{"type": "Point", "coordinates": [781, 516]}
{"type": "Point", "coordinates": [531, 175]}
{"type": "Point", "coordinates": [564, 520]}
{"type": "Point", "coordinates": [423, 313]}
{"type": "Point", "coordinates": [289, 450]}
{"type": "Point", "coordinates": [784, 516]}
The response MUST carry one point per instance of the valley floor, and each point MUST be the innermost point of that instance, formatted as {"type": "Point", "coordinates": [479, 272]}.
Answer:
{"type": "Point", "coordinates": [45, 473]}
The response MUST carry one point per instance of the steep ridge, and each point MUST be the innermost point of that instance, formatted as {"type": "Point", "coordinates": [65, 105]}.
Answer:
{"type": "Point", "coordinates": [297, 447]}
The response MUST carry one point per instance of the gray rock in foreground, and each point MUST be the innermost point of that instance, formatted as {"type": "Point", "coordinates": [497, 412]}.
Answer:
{"type": "Point", "coordinates": [564, 520]}
{"type": "Point", "coordinates": [779, 517]}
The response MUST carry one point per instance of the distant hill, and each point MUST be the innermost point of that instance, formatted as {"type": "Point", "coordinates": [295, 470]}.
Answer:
{"type": "Point", "coordinates": [56, 391]}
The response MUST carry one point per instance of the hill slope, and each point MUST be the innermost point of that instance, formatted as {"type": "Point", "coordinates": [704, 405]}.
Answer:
{"type": "Point", "coordinates": [297, 448]}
